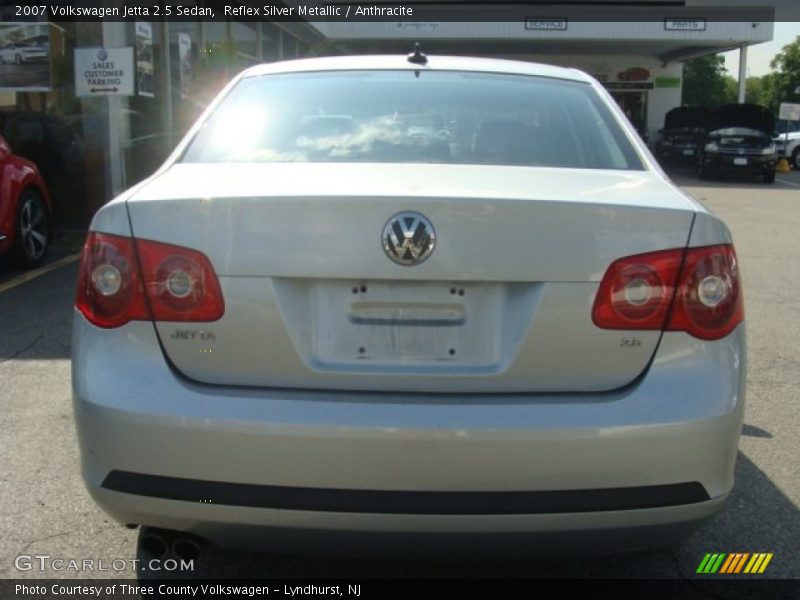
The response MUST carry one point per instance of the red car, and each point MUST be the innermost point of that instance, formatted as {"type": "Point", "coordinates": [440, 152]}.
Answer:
{"type": "Point", "coordinates": [25, 210]}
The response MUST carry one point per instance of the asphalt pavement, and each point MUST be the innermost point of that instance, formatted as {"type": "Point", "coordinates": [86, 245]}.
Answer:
{"type": "Point", "coordinates": [44, 508]}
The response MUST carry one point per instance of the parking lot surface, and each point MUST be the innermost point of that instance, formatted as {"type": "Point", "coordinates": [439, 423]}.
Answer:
{"type": "Point", "coordinates": [44, 508]}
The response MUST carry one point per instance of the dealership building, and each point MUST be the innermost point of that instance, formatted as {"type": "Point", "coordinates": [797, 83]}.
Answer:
{"type": "Point", "coordinates": [111, 98]}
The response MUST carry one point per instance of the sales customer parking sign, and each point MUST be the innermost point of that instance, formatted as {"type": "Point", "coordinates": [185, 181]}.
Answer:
{"type": "Point", "coordinates": [104, 71]}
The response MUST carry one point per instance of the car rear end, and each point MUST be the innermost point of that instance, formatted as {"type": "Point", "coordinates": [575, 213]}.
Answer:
{"type": "Point", "coordinates": [550, 347]}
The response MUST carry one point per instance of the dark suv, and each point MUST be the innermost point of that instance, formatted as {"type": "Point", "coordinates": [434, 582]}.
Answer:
{"type": "Point", "coordinates": [684, 130]}
{"type": "Point", "coordinates": [739, 140]}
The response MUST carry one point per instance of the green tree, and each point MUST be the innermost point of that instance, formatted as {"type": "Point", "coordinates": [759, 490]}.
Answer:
{"type": "Point", "coordinates": [755, 91]}
{"type": "Point", "coordinates": [779, 85]}
{"type": "Point", "coordinates": [706, 82]}
{"type": "Point", "coordinates": [731, 90]}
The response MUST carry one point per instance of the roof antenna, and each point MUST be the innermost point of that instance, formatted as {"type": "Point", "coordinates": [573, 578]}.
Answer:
{"type": "Point", "coordinates": [417, 57]}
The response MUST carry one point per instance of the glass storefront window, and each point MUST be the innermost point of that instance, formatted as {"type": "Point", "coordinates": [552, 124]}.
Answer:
{"type": "Point", "coordinates": [89, 148]}
{"type": "Point", "coordinates": [289, 44]}
{"type": "Point", "coordinates": [148, 143]}
{"type": "Point", "coordinates": [44, 122]}
{"type": "Point", "coordinates": [245, 42]}
{"type": "Point", "coordinates": [270, 43]}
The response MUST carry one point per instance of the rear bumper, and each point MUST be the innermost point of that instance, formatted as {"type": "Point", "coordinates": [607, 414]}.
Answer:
{"type": "Point", "coordinates": [232, 464]}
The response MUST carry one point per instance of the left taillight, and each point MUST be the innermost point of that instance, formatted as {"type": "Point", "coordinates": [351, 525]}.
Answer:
{"type": "Point", "coordinates": [122, 280]}
{"type": "Point", "coordinates": [110, 289]}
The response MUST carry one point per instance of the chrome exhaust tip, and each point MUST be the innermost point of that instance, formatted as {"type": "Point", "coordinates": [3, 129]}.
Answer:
{"type": "Point", "coordinates": [154, 544]}
{"type": "Point", "coordinates": [187, 548]}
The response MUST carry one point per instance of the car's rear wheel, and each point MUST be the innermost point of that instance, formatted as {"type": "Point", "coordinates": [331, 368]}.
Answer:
{"type": "Point", "coordinates": [33, 229]}
{"type": "Point", "coordinates": [796, 158]}
{"type": "Point", "coordinates": [769, 176]}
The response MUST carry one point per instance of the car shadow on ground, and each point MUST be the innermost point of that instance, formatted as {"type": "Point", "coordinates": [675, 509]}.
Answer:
{"type": "Point", "coordinates": [758, 517]}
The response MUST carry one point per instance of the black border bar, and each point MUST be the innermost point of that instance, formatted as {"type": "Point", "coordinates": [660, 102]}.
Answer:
{"type": "Point", "coordinates": [404, 502]}
{"type": "Point", "coordinates": [390, 11]}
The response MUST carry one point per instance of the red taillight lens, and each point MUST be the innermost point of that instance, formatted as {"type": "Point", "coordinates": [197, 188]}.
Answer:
{"type": "Point", "coordinates": [637, 292]}
{"type": "Point", "coordinates": [181, 284]}
{"type": "Point", "coordinates": [174, 283]}
{"type": "Point", "coordinates": [110, 291]}
{"type": "Point", "coordinates": [709, 303]}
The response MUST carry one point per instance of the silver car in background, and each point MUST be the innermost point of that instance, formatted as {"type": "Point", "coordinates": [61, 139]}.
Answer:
{"type": "Point", "coordinates": [383, 300]}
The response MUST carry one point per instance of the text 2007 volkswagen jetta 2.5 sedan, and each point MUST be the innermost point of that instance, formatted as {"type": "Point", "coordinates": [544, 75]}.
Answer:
{"type": "Point", "coordinates": [377, 300]}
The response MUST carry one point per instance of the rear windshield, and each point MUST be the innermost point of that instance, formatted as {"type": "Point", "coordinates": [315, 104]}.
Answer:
{"type": "Point", "coordinates": [408, 117]}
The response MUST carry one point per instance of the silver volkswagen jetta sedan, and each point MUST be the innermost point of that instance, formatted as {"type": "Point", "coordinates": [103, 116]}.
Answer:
{"type": "Point", "coordinates": [379, 299]}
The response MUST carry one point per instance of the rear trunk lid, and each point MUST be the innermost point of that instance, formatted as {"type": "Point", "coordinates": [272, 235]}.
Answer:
{"type": "Point", "coordinates": [503, 303]}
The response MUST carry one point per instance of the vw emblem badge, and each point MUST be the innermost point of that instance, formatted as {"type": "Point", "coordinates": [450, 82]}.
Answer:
{"type": "Point", "coordinates": [408, 238]}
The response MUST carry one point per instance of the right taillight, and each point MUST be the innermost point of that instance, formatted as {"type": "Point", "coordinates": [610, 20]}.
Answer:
{"type": "Point", "coordinates": [695, 290]}
{"type": "Point", "coordinates": [708, 302]}
{"type": "Point", "coordinates": [180, 283]}
{"type": "Point", "coordinates": [123, 280]}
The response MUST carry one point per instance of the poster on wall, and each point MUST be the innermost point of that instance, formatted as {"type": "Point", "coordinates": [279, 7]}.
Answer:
{"type": "Point", "coordinates": [144, 60]}
{"type": "Point", "coordinates": [185, 59]}
{"type": "Point", "coordinates": [25, 57]}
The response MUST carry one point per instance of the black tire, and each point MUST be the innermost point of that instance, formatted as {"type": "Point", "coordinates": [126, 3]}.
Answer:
{"type": "Point", "coordinates": [796, 158]}
{"type": "Point", "coordinates": [769, 176]}
{"type": "Point", "coordinates": [32, 230]}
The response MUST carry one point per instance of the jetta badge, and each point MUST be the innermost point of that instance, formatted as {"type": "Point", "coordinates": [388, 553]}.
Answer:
{"type": "Point", "coordinates": [408, 238]}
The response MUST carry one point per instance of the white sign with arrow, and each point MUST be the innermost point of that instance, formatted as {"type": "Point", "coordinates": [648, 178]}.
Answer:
{"type": "Point", "coordinates": [790, 112]}
{"type": "Point", "coordinates": [104, 71]}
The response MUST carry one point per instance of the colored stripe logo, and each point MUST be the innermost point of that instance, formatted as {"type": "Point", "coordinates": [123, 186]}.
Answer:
{"type": "Point", "coordinates": [734, 563]}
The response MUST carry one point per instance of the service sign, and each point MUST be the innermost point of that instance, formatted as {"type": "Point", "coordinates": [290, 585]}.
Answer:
{"type": "Point", "coordinates": [537, 24]}
{"type": "Point", "coordinates": [789, 111]}
{"type": "Point", "coordinates": [104, 71]}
